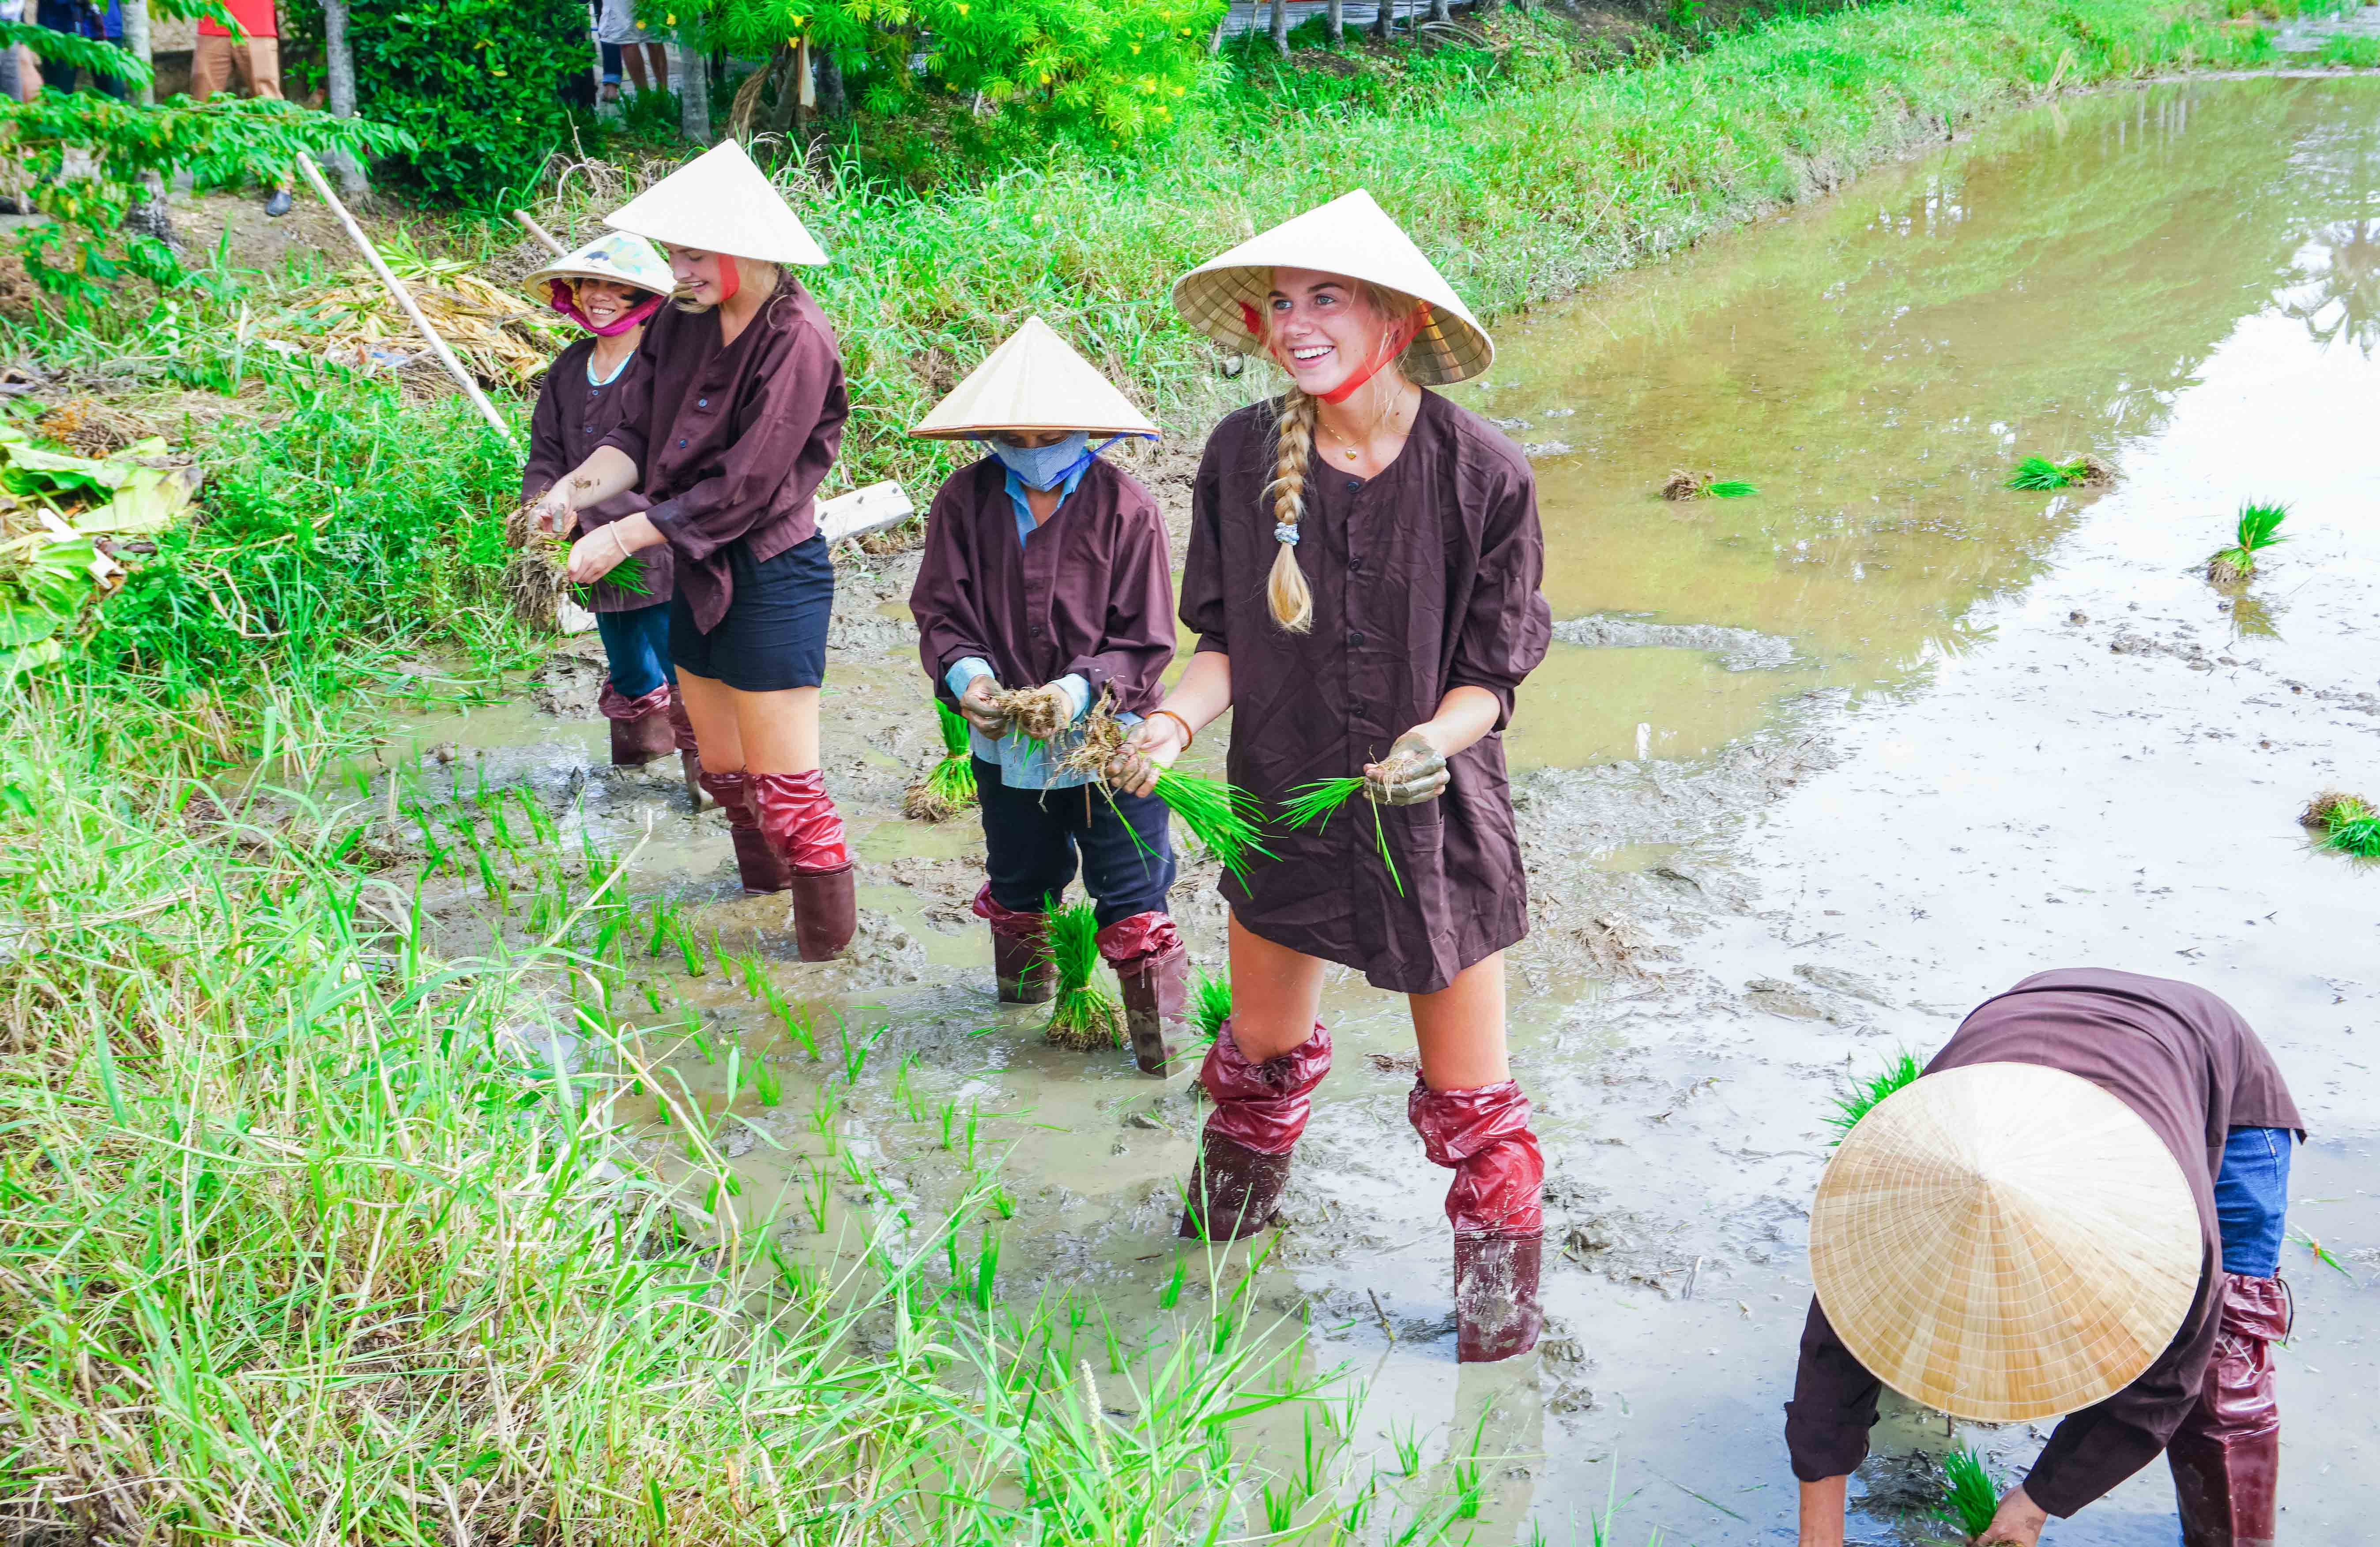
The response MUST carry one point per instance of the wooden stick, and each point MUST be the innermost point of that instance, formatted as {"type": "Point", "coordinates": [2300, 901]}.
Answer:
{"type": "Point", "coordinates": [372, 255]}
{"type": "Point", "coordinates": [540, 233]}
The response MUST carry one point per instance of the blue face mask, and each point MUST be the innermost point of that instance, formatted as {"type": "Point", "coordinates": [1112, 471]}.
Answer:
{"type": "Point", "coordinates": [1044, 466]}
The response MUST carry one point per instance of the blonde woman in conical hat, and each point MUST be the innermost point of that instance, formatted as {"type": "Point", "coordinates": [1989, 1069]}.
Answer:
{"type": "Point", "coordinates": [1363, 579]}
{"type": "Point", "coordinates": [610, 288]}
{"type": "Point", "coordinates": [2077, 1210]}
{"type": "Point", "coordinates": [1046, 569]}
{"type": "Point", "coordinates": [729, 439]}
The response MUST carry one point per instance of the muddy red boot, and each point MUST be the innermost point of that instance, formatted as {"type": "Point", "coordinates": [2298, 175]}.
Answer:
{"type": "Point", "coordinates": [1020, 951]}
{"type": "Point", "coordinates": [1261, 1113]}
{"type": "Point", "coordinates": [802, 825]}
{"type": "Point", "coordinates": [1483, 1135]}
{"type": "Point", "coordinates": [640, 727]}
{"type": "Point", "coordinates": [2226, 1456]}
{"type": "Point", "coordinates": [689, 754]}
{"type": "Point", "coordinates": [762, 868]}
{"type": "Point", "coordinates": [1152, 967]}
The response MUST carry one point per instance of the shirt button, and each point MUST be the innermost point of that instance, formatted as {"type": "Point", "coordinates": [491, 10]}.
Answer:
{"type": "Point", "coordinates": [1354, 561]}
{"type": "Point", "coordinates": [681, 440]}
{"type": "Point", "coordinates": [702, 402]}
{"type": "Point", "coordinates": [1356, 637]}
{"type": "Point", "coordinates": [1353, 484]}
{"type": "Point", "coordinates": [1036, 630]}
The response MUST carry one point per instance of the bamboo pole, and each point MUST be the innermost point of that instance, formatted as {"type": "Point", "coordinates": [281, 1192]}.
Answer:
{"type": "Point", "coordinates": [540, 233]}
{"type": "Point", "coordinates": [405, 300]}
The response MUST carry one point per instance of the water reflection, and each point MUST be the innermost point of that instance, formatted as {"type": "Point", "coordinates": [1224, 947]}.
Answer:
{"type": "Point", "coordinates": [2340, 297]}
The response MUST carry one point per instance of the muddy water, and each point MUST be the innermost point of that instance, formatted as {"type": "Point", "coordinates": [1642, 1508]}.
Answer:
{"type": "Point", "coordinates": [1810, 772]}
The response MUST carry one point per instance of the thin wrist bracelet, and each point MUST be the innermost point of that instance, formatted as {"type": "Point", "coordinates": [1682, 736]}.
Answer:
{"type": "Point", "coordinates": [620, 542]}
{"type": "Point", "coordinates": [1189, 737]}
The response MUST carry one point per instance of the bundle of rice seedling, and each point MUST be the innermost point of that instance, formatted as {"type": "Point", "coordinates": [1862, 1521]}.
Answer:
{"type": "Point", "coordinates": [948, 788]}
{"type": "Point", "coordinates": [2040, 472]}
{"type": "Point", "coordinates": [1685, 484]}
{"type": "Point", "coordinates": [1084, 1017]}
{"type": "Point", "coordinates": [2346, 823]}
{"type": "Point", "coordinates": [1970, 1498]}
{"type": "Point", "coordinates": [1315, 802]}
{"type": "Point", "coordinates": [1036, 714]}
{"type": "Point", "coordinates": [538, 576]}
{"type": "Point", "coordinates": [2259, 527]}
{"type": "Point", "coordinates": [1210, 1004]}
{"type": "Point", "coordinates": [1224, 818]}
{"type": "Point", "coordinates": [1864, 1096]}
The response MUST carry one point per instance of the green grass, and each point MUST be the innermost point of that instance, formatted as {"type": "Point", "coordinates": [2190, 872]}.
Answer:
{"type": "Point", "coordinates": [1900, 1070]}
{"type": "Point", "coordinates": [2258, 528]}
{"type": "Point", "coordinates": [2040, 472]}
{"type": "Point", "coordinates": [1731, 488]}
{"type": "Point", "coordinates": [1210, 1004]}
{"type": "Point", "coordinates": [1970, 1498]}
{"type": "Point", "coordinates": [1223, 818]}
{"type": "Point", "coordinates": [1083, 1017]}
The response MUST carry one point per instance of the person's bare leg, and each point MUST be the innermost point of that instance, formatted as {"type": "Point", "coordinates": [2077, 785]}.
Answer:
{"type": "Point", "coordinates": [1459, 1029]}
{"type": "Point", "coordinates": [658, 56]}
{"type": "Point", "coordinates": [778, 732]}
{"type": "Point", "coordinates": [1276, 994]}
{"type": "Point", "coordinates": [633, 56]}
{"type": "Point", "coordinates": [712, 705]}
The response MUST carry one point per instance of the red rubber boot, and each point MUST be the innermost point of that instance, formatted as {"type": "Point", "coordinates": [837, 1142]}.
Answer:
{"type": "Point", "coordinates": [762, 868]}
{"type": "Point", "coordinates": [1261, 1113]}
{"type": "Point", "coordinates": [1020, 951]}
{"type": "Point", "coordinates": [689, 755]}
{"type": "Point", "coordinates": [802, 825]}
{"type": "Point", "coordinates": [640, 727]}
{"type": "Point", "coordinates": [2227, 1455]}
{"type": "Point", "coordinates": [1152, 967]}
{"type": "Point", "coordinates": [1483, 1135]}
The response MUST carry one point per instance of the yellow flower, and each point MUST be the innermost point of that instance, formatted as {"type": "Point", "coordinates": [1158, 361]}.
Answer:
{"type": "Point", "coordinates": [670, 19]}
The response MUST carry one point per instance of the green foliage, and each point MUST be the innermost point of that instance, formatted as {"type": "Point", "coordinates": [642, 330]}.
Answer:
{"type": "Point", "coordinates": [1316, 802]}
{"type": "Point", "coordinates": [2040, 472]}
{"type": "Point", "coordinates": [1083, 1017]}
{"type": "Point", "coordinates": [118, 148]}
{"type": "Point", "coordinates": [1970, 1496]}
{"type": "Point", "coordinates": [2258, 529]}
{"type": "Point", "coordinates": [1731, 489]}
{"type": "Point", "coordinates": [65, 52]}
{"type": "Point", "coordinates": [477, 83]}
{"type": "Point", "coordinates": [1902, 1069]}
{"type": "Point", "coordinates": [2348, 823]}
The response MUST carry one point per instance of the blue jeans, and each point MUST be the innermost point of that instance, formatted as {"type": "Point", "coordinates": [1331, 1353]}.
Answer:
{"type": "Point", "coordinates": [636, 643]}
{"type": "Point", "coordinates": [2252, 1200]}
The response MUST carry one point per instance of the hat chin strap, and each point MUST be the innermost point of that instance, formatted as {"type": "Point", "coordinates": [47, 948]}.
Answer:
{"type": "Point", "coordinates": [1390, 347]}
{"type": "Point", "coordinates": [731, 278]}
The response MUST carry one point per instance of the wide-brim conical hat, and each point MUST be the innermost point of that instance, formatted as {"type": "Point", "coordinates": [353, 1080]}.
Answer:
{"type": "Point", "coordinates": [1035, 381]}
{"type": "Point", "coordinates": [616, 255]}
{"type": "Point", "coordinates": [721, 202]}
{"type": "Point", "coordinates": [2004, 1242]}
{"type": "Point", "coordinates": [1353, 236]}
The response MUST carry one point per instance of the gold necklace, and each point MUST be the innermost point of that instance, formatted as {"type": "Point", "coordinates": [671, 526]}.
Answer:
{"type": "Point", "coordinates": [1351, 453]}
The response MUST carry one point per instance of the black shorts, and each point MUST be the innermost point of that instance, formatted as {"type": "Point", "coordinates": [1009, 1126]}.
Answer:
{"type": "Point", "coordinates": [774, 634]}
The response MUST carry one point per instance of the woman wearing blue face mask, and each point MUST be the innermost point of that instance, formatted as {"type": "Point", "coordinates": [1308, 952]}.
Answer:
{"type": "Point", "coordinates": [1046, 570]}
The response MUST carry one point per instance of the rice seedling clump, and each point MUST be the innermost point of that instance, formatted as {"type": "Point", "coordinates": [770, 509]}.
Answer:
{"type": "Point", "coordinates": [1084, 1017]}
{"type": "Point", "coordinates": [1314, 802]}
{"type": "Point", "coordinates": [1686, 484]}
{"type": "Point", "coordinates": [2346, 823]}
{"type": "Point", "coordinates": [1210, 1004]}
{"type": "Point", "coordinates": [948, 788]}
{"type": "Point", "coordinates": [1970, 1496]}
{"type": "Point", "coordinates": [1226, 820]}
{"type": "Point", "coordinates": [2040, 472]}
{"type": "Point", "coordinates": [2259, 529]}
{"type": "Point", "coordinates": [1864, 1096]}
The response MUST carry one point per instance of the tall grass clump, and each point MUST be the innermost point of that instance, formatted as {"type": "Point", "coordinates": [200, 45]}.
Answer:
{"type": "Point", "coordinates": [1901, 1069]}
{"type": "Point", "coordinates": [1970, 1498]}
{"type": "Point", "coordinates": [2258, 529]}
{"type": "Point", "coordinates": [948, 788]}
{"type": "Point", "coordinates": [1084, 1017]}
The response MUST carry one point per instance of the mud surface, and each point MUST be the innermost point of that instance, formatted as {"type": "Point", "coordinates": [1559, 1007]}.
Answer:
{"type": "Point", "coordinates": [1806, 775]}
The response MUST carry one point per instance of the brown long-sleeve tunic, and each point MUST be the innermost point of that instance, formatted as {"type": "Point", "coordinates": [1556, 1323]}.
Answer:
{"type": "Point", "coordinates": [732, 442]}
{"type": "Point", "coordinates": [2185, 1061]}
{"type": "Point", "coordinates": [1092, 594]}
{"type": "Point", "coordinates": [1425, 579]}
{"type": "Point", "coordinates": [572, 416]}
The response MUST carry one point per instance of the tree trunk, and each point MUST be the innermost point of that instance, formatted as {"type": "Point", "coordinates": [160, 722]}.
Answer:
{"type": "Point", "coordinates": [1384, 20]}
{"type": "Point", "coordinates": [833, 103]}
{"type": "Point", "coordinates": [1215, 39]}
{"type": "Point", "coordinates": [1441, 10]}
{"type": "Point", "coordinates": [1280, 28]}
{"type": "Point", "coordinates": [1338, 13]}
{"type": "Point", "coordinates": [136, 43]}
{"type": "Point", "coordinates": [693, 94]}
{"type": "Point", "coordinates": [340, 63]}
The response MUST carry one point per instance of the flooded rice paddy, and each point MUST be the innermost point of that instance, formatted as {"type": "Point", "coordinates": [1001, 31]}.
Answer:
{"type": "Point", "coordinates": [1808, 774]}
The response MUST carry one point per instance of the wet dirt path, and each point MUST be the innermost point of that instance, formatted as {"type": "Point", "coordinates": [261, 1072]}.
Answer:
{"type": "Point", "coordinates": [1809, 773]}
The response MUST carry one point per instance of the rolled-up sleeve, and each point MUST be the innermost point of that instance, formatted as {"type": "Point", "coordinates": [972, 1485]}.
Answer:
{"type": "Point", "coordinates": [788, 432]}
{"type": "Point", "coordinates": [1833, 1406]}
{"type": "Point", "coordinates": [1202, 568]}
{"type": "Point", "coordinates": [1136, 641]}
{"type": "Point", "coordinates": [1506, 623]}
{"type": "Point", "coordinates": [943, 601]}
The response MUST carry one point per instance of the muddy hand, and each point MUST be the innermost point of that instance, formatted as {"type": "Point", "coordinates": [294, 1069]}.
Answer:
{"type": "Point", "coordinates": [595, 555]}
{"type": "Point", "coordinates": [1041, 713]}
{"type": "Point", "coordinates": [976, 706]}
{"type": "Point", "coordinates": [1148, 752]}
{"type": "Point", "coordinates": [551, 513]}
{"type": "Point", "coordinates": [1412, 772]}
{"type": "Point", "coordinates": [2018, 1524]}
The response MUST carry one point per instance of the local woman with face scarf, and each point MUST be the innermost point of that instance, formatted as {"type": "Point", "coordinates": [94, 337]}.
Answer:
{"type": "Point", "coordinates": [728, 439]}
{"type": "Point", "coordinates": [1046, 569]}
{"type": "Point", "coordinates": [610, 287]}
{"type": "Point", "coordinates": [1363, 578]}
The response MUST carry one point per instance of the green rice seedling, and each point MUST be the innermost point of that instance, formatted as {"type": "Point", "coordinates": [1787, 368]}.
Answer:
{"type": "Point", "coordinates": [1226, 820]}
{"type": "Point", "coordinates": [1898, 1071]}
{"type": "Point", "coordinates": [1685, 483]}
{"type": "Point", "coordinates": [2040, 472]}
{"type": "Point", "coordinates": [2258, 529]}
{"type": "Point", "coordinates": [1170, 1295]}
{"type": "Point", "coordinates": [816, 1194]}
{"type": "Point", "coordinates": [1731, 488]}
{"type": "Point", "coordinates": [2346, 823]}
{"type": "Point", "coordinates": [1002, 1202]}
{"type": "Point", "coordinates": [948, 788]}
{"type": "Point", "coordinates": [702, 1044]}
{"type": "Point", "coordinates": [2322, 1254]}
{"type": "Point", "coordinates": [1970, 1495]}
{"type": "Point", "coordinates": [947, 1113]}
{"type": "Point", "coordinates": [1084, 1017]}
{"type": "Point", "coordinates": [689, 949]}
{"type": "Point", "coordinates": [1280, 1511]}
{"type": "Point", "coordinates": [765, 1084]}
{"type": "Point", "coordinates": [982, 1291]}
{"type": "Point", "coordinates": [1315, 802]}
{"type": "Point", "coordinates": [1408, 1448]}
{"type": "Point", "coordinates": [1210, 1004]}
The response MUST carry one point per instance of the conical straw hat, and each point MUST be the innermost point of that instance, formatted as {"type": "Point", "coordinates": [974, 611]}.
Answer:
{"type": "Point", "coordinates": [1353, 236]}
{"type": "Point", "coordinates": [1033, 382]}
{"type": "Point", "coordinates": [720, 203]}
{"type": "Point", "coordinates": [2004, 1242]}
{"type": "Point", "coordinates": [615, 255]}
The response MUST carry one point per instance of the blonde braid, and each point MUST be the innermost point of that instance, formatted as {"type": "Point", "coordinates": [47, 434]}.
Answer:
{"type": "Point", "coordinates": [1292, 598]}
